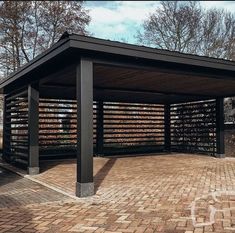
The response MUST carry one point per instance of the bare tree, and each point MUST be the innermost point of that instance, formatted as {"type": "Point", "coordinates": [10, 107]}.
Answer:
{"type": "Point", "coordinates": [217, 34]}
{"type": "Point", "coordinates": [56, 16]}
{"type": "Point", "coordinates": [173, 26]}
{"type": "Point", "coordinates": [185, 27]}
{"type": "Point", "coordinates": [29, 27]}
{"type": "Point", "coordinates": [13, 21]}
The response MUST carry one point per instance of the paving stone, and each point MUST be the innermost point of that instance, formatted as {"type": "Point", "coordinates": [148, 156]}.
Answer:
{"type": "Point", "coordinates": [133, 194]}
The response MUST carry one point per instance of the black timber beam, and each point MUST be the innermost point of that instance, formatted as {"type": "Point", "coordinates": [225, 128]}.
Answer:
{"type": "Point", "coordinates": [142, 91]}
{"type": "Point", "coordinates": [84, 79]}
{"type": "Point", "coordinates": [61, 91]}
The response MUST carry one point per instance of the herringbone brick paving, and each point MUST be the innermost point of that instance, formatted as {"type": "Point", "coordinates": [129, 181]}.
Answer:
{"type": "Point", "coordinates": [135, 194]}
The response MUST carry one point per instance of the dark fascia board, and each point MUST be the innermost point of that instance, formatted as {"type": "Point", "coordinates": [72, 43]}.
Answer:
{"type": "Point", "coordinates": [118, 48]}
{"type": "Point", "coordinates": [56, 49]}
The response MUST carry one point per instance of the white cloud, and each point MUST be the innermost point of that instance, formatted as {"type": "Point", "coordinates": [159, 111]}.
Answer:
{"type": "Point", "coordinates": [126, 10]}
{"type": "Point", "coordinates": [121, 19]}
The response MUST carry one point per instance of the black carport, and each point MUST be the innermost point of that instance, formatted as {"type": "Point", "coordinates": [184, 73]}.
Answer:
{"type": "Point", "coordinates": [88, 96]}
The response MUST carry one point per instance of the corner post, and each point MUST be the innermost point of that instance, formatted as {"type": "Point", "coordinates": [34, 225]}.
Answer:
{"type": "Point", "coordinates": [167, 129]}
{"type": "Point", "coordinates": [100, 128]}
{"type": "Point", "coordinates": [220, 152]}
{"type": "Point", "coordinates": [4, 141]}
{"type": "Point", "coordinates": [33, 129]}
{"type": "Point", "coordinates": [84, 89]}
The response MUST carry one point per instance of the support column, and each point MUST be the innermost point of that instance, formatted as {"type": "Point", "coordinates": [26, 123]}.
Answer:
{"type": "Point", "coordinates": [100, 128]}
{"type": "Point", "coordinates": [84, 79]}
{"type": "Point", "coordinates": [33, 129]}
{"type": "Point", "coordinates": [4, 131]}
{"type": "Point", "coordinates": [220, 152]}
{"type": "Point", "coordinates": [167, 129]}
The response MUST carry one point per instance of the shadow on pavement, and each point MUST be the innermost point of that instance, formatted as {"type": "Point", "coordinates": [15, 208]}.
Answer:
{"type": "Point", "coordinates": [103, 172]}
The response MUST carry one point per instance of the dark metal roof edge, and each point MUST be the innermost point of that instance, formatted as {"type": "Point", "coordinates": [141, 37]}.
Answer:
{"type": "Point", "coordinates": [131, 50]}
{"type": "Point", "coordinates": [149, 49]}
{"type": "Point", "coordinates": [46, 53]}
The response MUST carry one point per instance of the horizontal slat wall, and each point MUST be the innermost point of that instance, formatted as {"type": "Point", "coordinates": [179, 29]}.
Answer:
{"type": "Point", "coordinates": [94, 124]}
{"type": "Point", "coordinates": [57, 127]}
{"type": "Point", "coordinates": [130, 127]}
{"type": "Point", "coordinates": [127, 127]}
{"type": "Point", "coordinates": [193, 127]}
{"type": "Point", "coordinates": [16, 128]}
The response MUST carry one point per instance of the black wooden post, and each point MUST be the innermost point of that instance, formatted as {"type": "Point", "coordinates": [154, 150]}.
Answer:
{"type": "Point", "coordinates": [100, 128]}
{"type": "Point", "coordinates": [167, 120]}
{"type": "Point", "coordinates": [33, 129]}
{"type": "Point", "coordinates": [4, 130]}
{"type": "Point", "coordinates": [220, 152]}
{"type": "Point", "coordinates": [84, 79]}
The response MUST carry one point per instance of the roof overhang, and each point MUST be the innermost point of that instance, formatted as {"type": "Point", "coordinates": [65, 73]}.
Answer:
{"type": "Point", "coordinates": [123, 70]}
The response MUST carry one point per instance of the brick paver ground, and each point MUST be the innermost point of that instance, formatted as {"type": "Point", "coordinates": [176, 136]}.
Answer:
{"type": "Point", "coordinates": [15, 190]}
{"type": "Point", "coordinates": [135, 194]}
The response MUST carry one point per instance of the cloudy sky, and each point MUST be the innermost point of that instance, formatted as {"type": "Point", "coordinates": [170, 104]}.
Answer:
{"type": "Point", "coordinates": [119, 20]}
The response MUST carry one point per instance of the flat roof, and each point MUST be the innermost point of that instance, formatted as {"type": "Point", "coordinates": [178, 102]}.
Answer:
{"type": "Point", "coordinates": [69, 48]}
